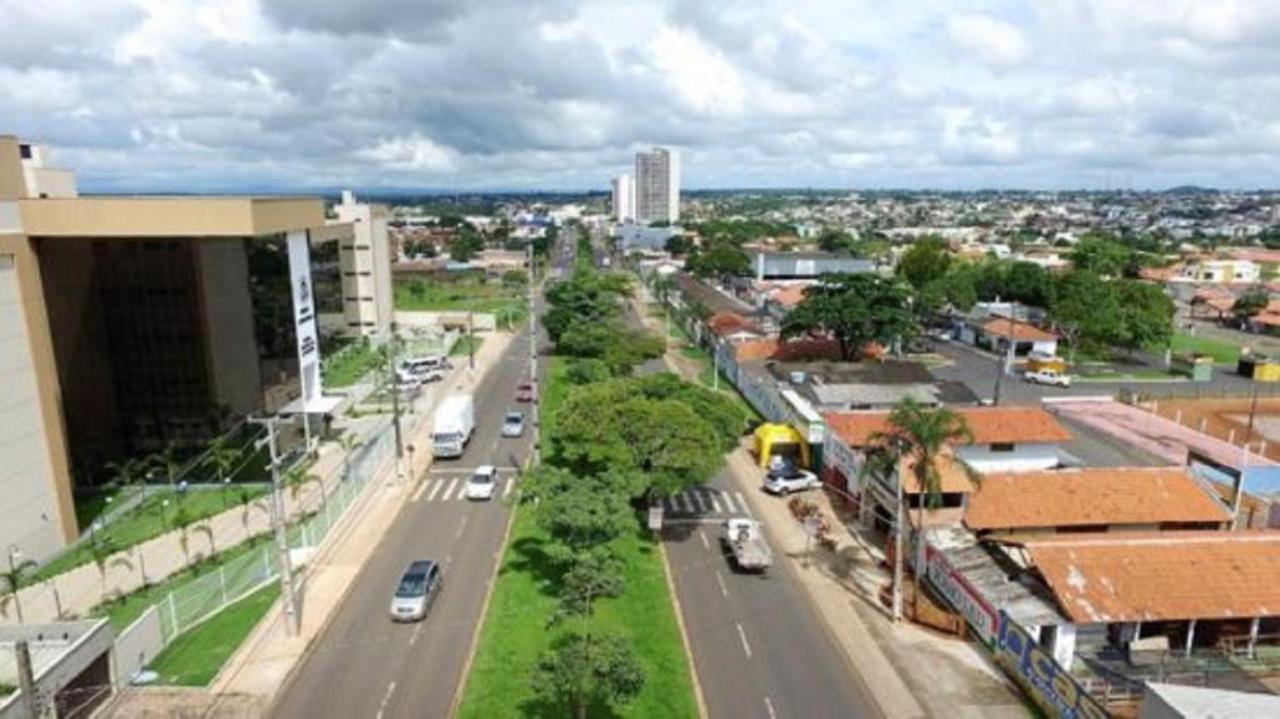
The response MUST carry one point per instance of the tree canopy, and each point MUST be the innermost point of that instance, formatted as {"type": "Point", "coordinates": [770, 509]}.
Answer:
{"type": "Point", "coordinates": [855, 309]}
{"type": "Point", "coordinates": [1102, 255]}
{"type": "Point", "coordinates": [925, 261]}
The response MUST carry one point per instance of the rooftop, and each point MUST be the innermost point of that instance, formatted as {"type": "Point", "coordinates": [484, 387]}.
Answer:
{"type": "Point", "coordinates": [1097, 496]}
{"type": "Point", "coordinates": [1013, 329]}
{"type": "Point", "coordinates": [169, 216]}
{"type": "Point", "coordinates": [987, 424]}
{"type": "Point", "coordinates": [1151, 576]}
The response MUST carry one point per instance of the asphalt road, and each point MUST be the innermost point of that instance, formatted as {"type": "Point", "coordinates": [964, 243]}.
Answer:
{"type": "Point", "coordinates": [364, 665]}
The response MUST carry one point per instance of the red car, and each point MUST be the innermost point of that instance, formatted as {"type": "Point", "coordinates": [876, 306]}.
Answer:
{"type": "Point", "coordinates": [524, 393]}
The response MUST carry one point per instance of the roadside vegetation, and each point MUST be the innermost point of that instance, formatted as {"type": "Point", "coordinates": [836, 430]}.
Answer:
{"type": "Point", "coordinates": [347, 366]}
{"type": "Point", "coordinates": [581, 622]}
{"type": "Point", "coordinates": [195, 657]}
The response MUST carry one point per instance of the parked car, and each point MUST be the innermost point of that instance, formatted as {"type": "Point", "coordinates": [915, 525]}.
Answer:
{"type": "Point", "coordinates": [1049, 377]}
{"type": "Point", "coordinates": [483, 483]}
{"type": "Point", "coordinates": [524, 393]}
{"type": "Point", "coordinates": [513, 424]}
{"type": "Point", "coordinates": [416, 591]}
{"type": "Point", "coordinates": [790, 479]}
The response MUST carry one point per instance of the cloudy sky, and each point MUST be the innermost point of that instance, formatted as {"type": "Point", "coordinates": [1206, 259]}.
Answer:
{"type": "Point", "coordinates": [557, 94]}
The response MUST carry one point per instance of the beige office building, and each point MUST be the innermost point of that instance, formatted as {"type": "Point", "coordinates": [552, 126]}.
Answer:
{"type": "Point", "coordinates": [131, 323]}
{"type": "Point", "coordinates": [364, 255]}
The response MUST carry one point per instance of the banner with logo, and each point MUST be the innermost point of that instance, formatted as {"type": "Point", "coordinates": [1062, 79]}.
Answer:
{"type": "Point", "coordinates": [956, 589]}
{"type": "Point", "coordinates": [1051, 687]}
{"type": "Point", "coordinates": [304, 316]}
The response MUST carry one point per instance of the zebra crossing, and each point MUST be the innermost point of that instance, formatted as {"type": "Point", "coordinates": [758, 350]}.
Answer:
{"type": "Point", "coordinates": [453, 488]}
{"type": "Point", "coordinates": [706, 502]}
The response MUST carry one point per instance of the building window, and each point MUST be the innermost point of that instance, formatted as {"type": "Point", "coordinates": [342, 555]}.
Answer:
{"type": "Point", "coordinates": [1001, 446]}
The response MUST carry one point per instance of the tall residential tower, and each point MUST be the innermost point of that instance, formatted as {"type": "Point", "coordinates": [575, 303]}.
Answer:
{"type": "Point", "coordinates": [657, 186]}
{"type": "Point", "coordinates": [624, 199]}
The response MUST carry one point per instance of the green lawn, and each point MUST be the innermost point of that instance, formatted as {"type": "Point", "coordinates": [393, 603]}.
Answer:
{"type": "Point", "coordinates": [90, 507]}
{"type": "Point", "coordinates": [463, 347]}
{"type": "Point", "coordinates": [150, 519]}
{"type": "Point", "coordinates": [515, 632]}
{"type": "Point", "coordinates": [125, 610]}
{"type": "Point", "coordinates": [193, 659]}
{"type": "Point", "coordinates": [345, 369]}
{"type": "Point", "coordinates": [461, 295]}
{"type": "Point", "coordinates": [1222, 352]}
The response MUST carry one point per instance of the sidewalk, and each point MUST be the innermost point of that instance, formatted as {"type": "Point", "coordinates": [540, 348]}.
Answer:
{"type": "Point", "coordinates": [910, 671]}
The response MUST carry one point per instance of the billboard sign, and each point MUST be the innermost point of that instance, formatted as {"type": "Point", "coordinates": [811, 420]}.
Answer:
{"type": "Point", "coordinates": [1052, 688]}
{"type": "Point", "coordinates": [304, 316]}
{"type": "Point", "coordinates": [976, 610]}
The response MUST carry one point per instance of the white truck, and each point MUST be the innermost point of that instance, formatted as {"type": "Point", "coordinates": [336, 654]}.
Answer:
{"type": "Point", "coordinates": [745, 541]}
{"type": "Point", "coordinates": [1050, 377]}
{"type": "Point", "coordinates": [455, 422]}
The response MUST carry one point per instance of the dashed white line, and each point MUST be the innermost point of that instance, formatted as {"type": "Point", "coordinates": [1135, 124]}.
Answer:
{"type": "Point", "coordinates": [506, 491]}
{"type": "Point", "coordinates": [421, 488]}
{"type": "Point", "coordinates": [435, 490]}
{"type": "Point", "coordinates": [768, 704]}
{"type": "Point", "coordinates": [743, 501]}
{"type": "Point", "coordinates": [699, 500]}
{"type": "Point", "coordinates": [445, 497]}
{"type": "Point", "coordinates": [461, 526]}
{"type": "Point", "coordinates": [413, 638]}
{"type": "Point", "coordinates": [714, 502]}
{"type": "Point", "coordinates": [724, 591]}
{"type": "Point", "coordinates": [391, 688]}
{"type": "Point", "coordinates": [703, 536]}
{"type": "Point", "coordinates": [742, 634]}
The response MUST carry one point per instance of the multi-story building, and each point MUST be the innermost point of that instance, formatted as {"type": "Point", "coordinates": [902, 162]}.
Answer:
{"type": "Point", "coordinates": [623, 198]}
{"type": "Point", "coordinates": [657, 186]}
{"type": "Point", "coordinates": [130, 323]}
{"type": "Point", "coordinates": [364, 260]}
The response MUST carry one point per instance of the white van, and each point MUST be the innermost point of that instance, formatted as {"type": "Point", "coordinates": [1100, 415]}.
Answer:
{"type": "Point", "coordinates": [427, 369]}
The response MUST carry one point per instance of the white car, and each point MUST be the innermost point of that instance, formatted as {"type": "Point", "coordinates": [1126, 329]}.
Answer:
{"type": "Point", "coordinates": [785, 481]}
{"type": "Point", "coordinates": [513, 424]}
{"type": "Point", "coordinates": [1048, 377]}
{"type": "Point", "coordinates": [483, 483]}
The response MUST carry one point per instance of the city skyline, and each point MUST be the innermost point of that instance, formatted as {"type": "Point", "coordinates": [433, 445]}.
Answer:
{"type": "Point", "coordinates": [289, 96]}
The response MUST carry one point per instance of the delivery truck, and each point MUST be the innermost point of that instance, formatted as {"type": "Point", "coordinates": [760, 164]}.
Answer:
{"type": "Point", "coordinates": [455, 422]}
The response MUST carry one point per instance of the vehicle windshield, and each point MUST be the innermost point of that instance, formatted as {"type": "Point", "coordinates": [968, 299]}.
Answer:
{"type": "Point", "coordinates": [412, 585]}
{"type": "Point", "coordinates": [515, 418]}
{"type": "Point", "coordinates": [481, 479]}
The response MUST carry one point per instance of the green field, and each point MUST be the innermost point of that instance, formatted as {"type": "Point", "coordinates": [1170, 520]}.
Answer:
{"type": "Point", "coordinates": [150, 519]}
{"type": "Point", "coordinates": [346, 368]}
{"type": "Point", "coordinates": [1222, 352]}
{"type": "Point", "coordinates": [194, 658]}
{"type": "Point", "coordinates": [460, 295]}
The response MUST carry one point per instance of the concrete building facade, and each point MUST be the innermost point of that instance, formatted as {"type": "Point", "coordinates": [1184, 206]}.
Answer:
{"type": "Point", "coordinates": [128, 324]}
{"type": "Point", "coordinates": [657, 186]}
{"type": "Point", "coordinates": [624, 198]}
{"type": "Point", "coordinates": [365, 263]}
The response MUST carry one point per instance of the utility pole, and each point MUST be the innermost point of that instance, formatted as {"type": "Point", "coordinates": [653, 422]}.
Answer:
{"type": "Point", "coordinates": [26, 678]}
{"type": "Point", "coordinates": [281, 536]}
{"type": "Point", "coordinates": [533, 364]}
{"type": "Point", "coordinates": [1253, 410]}
{"type": "Point", "coordinates": [394, 388]}
{"type": "Point", "coordinates": [471, 335]}
{"type": "Point", "coordinates": [900, 530]}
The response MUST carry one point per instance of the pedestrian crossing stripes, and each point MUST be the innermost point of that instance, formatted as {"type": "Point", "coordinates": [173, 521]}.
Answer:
{"type": "Point", "coordinates": [703, 501]}
{"type": "Point", "coordinates": [454, 489]}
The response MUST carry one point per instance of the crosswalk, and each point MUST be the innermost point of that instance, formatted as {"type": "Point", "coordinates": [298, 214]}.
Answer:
{"type": "Point", "coordinates": [453, 489]}
{"type": "Point", "coordinates": [706, 502]}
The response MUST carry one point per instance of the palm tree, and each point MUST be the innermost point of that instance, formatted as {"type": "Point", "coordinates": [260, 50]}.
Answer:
{"type": "Point", "coordinates": [128, 473]}
{"type": "Point", "coordinates": [348, 442]}
{"type": "Point", "coordinates": [14, 581]}
{"type": "Point", "coordinates": [296, 477]}
{"type": "Point", "coordinates": [915, 441]}
{"type": "Point", "coordinates": [222, 457]}
{"type": "Point", "coordinates": [167, 462]}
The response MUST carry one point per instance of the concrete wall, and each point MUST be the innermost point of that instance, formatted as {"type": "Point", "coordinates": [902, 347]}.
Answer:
{"type": "Point", "coordinates": [1023, 458]}
{"type": "Point", "coordinates": [28, 511]}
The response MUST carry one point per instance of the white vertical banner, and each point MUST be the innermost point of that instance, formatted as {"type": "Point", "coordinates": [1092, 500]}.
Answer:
{"type": "Point", "coordinates": [304, 316]}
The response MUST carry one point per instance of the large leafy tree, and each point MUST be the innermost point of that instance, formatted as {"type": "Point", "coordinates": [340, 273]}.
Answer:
{"type": "Point", "coordinates": [915, 440]}
{"type": "Point", "coordinates": [855, 309]}
{"type": "Point", "coordinates": [583, 672]}
{"type": "Point", "coordinates": [1250, 303]}
{"type": "Point", "coordinates": [1084, 310]}
{"type": "Point", "coordinates": [926, 261]}
{"type": "Point", "coordinates": [1102, 255]}
{"type": "Point", "coordinates": [1144, 315]}
{"type": "Point", "coordinates": [721, 258]}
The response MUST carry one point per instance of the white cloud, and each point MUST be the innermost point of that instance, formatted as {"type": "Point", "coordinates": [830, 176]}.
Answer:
{"type": "Point", "coordinates": [410, 152]}
{"type": "Point", "coordinates": [701, 77]}
{"type": "Point", "coordinates": [995, 42]}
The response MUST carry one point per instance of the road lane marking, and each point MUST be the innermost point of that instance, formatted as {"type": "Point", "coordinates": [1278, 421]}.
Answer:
{"type": "Point", "coordinates": [743, 501]}
{"type": "Point", "coordinates": [699, 500]}
{"type": "Point", "coordinates": [768, 704]}
{"type": "Point", "coordinates": [683, 501]}
{"type": "Point", "coordinates": [391, 688]}
{"type": "Point", "coordinates": [703, 536]}
{"type": "Point", "coordinates": [461, 526]}
{"type": "Point", "coordinates": [714, 502]}
{"type": "Point", "coordinates": [506, 491]}
{"type": "Point", "coordinates": [413, 638]}
{"type": "Point", "coordinates": [724, 591]}
{"type": "Point", "coordinates": [728, 503]}
{"type": "Point", "coordinates": [422, 487]}
{"type": "Point", "coordinates": [670, 504]}
{"type": "Point", "coordinates": [742, 634]}
{"type": "Point", "coordinates": [445, 497]}
{"type": "Point", "coordinates": [435, 490]}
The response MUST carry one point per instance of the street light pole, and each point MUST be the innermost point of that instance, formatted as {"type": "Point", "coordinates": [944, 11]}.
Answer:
{"type": "Point", "coordinates": [278, 526]}
{"type": "Point", "coordinates": [394, 388]}
{"type": "Point", "coordinates": [533, 364]}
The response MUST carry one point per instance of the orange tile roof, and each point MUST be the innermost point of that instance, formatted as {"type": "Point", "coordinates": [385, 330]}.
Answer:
{"type": "Point", "coordinates": [1076, 497]}
{"type": "Point", "coordinates": [791, 350]}
{"type": "Point", "coordinates": [952, 475]}
{"type": "Point", "coordinates": [727, 323]}
{"type": "Point", "coordinates": [789, 296]}
{"type": "Point", "coordinates": [1151, 576]}
{"type": "Point", "coordinates": [1005, 327]}
{"type": "Point", "coordinates": [988, 424]}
